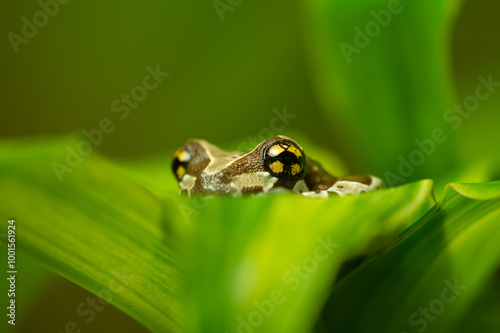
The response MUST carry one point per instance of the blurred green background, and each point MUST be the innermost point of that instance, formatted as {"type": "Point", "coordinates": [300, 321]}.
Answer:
{"type": "Point", "coordinates": [226, 77]}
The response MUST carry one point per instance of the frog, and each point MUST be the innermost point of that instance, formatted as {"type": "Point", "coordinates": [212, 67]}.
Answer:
{"type": "Point", "coordinates": [276, 165]}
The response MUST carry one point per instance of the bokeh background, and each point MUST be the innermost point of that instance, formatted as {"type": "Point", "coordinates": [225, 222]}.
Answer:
{"type": "Point", "coordinates": [226, 77]}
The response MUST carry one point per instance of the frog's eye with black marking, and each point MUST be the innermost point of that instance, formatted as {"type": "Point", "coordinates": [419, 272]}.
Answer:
{"type": "Point", "coordinates": [285, 160]}
{"type": "Point", "coordinates": [179, 163]}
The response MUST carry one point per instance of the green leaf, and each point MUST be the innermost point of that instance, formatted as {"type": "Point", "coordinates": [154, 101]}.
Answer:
{"type": "Point", "coordinates": [394, 88]}
{"type": "Point", "coordinates": [476, 172]}
{"type": "Point", "coordinates": [456, 246]}
{"type": "Point", "coordinates": [97, 228]}
{"type": "Point", "coordinates": [267, 262]}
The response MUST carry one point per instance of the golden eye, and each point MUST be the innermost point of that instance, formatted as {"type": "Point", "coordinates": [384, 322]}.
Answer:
{"type": "Point", "coordinates": [179, 163]}
{"type": "Point", "coordinates": [284, 160]}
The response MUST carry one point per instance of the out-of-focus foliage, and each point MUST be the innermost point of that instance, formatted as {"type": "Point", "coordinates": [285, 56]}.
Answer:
{"type": "Point", "coordinates": [433, 280]}
{"type": "Point", "coordinates": [259, 69]}
{"type": "Point", "coordinates": [96, 228]}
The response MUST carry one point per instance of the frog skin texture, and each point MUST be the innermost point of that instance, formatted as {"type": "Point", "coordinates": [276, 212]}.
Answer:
{"type": "Point", "coordinates": [278, 164]}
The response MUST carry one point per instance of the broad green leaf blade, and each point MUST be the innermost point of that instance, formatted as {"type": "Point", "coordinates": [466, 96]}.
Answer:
{"type": "Point", "coordinates": [477, 172]}
{"type": "Point", "coordinates": [431, 281]}
{"type": "Point", "coordinates": [155, 172]}
{"type": "Point", "coordinates": [96, 228]}
{"type": "Point", "coordinates": [382, 74]}
{"type": "Point", "coordinates": [329, 160]}
{"type": "Point", "coordinates": [267, 263]}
